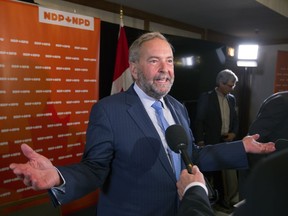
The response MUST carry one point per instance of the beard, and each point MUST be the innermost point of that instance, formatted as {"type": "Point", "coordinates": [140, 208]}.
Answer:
{"type": "Point", "coordinates": [154, 89]}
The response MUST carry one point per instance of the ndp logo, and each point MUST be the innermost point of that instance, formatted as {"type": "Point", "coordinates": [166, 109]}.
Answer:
{"type": "Point", "coordinates": [65, 19]}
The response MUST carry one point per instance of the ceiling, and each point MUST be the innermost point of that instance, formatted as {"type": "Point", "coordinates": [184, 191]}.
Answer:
{"type": "Point", "coordinates": [241, 18]}
{"type": "Point", "coordinates": [247, 19]}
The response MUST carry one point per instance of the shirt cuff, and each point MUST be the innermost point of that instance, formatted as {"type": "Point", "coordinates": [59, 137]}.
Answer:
{"type": "Point", "coordinates": [61, 188]}
{"type": "Point", "coordinates": [196, 184]}
{"type": "Point", "coordinates": [55, 191]}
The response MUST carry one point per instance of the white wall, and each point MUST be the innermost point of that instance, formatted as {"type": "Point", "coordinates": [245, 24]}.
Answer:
{"type": "Point", "coordinates": [262, 83]}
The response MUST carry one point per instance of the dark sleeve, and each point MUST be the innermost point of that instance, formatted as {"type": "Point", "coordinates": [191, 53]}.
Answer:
{"type": "Point", "coordinates": [228, 155]}
{"type": "Point", "coordinates": [90, 174]}
{"type": "Point", "coordinates": [195, 202]}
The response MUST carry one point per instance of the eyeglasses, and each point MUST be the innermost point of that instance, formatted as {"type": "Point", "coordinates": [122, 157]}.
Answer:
{"type": "Point", "coordinates": [231, 86]}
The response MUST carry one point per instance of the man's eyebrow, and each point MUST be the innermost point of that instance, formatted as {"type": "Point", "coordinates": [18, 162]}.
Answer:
{"type": "Point", "coordinates": [158, 57]}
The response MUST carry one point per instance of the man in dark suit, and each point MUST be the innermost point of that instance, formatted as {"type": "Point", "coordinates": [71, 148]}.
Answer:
{"type": "Point", "coordinates": [126, 151]}
{"type": "Point", "coordinates": [271, 123]}
{"type": "Point", "coordinates": [216, 117]}
{"type": "Point", "coordinates": [217, 121]}
{"type": "Point", "coordinates": [266, 186]}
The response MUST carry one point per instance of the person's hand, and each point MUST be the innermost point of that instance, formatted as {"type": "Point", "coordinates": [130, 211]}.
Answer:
{"type": "Point", "coordinates": [201, 143]}
{"type": "Point", "coordinates": [252, 146]}
{"type": "Point", "coordinates": [38, 172]}
{"type": "Point", "coordinates": [229, 137]}
{"type": "Point", "coordinates": [187, 178]}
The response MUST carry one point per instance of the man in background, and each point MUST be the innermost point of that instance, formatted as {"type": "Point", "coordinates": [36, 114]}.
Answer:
{"type": "Point", "coordinates": [217, 121]}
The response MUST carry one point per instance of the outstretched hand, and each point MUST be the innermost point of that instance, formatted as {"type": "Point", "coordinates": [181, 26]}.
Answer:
{"type": "Point", "coordinates": [252, 146]}
{"type": "Point", "coordinates": [38, 172]}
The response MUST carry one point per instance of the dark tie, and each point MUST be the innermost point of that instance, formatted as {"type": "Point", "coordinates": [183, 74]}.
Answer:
{"type": "Point", "coordinates": [174, 157]}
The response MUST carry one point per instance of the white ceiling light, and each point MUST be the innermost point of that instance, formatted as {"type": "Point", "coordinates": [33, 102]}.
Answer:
{"type": "Point", "coordinates": [247, 55]}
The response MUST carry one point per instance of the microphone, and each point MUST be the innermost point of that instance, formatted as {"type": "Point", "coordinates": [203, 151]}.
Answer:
{"type": "Point", "coordinates": [177, 140]}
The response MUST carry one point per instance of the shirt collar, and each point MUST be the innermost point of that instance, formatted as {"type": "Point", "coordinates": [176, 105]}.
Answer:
{"type": "Point", "coordinates": [146, 99]}
{"type": "Point", "coordinates": [220, 94]}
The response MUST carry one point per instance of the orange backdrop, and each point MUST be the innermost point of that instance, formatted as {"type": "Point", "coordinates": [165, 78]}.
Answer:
{"type": "Point", "coordinates": [281, 72]}
{"type": "Point", "coordinates": [48, 83]}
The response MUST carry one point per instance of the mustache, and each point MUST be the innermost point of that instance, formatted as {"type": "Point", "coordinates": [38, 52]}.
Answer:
{"type": "Point", "coordinates": [162, 77]}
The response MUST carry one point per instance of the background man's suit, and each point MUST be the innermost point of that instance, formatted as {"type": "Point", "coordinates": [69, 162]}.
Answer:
{"type": "Point", "coordinates": [208, 124]}
{"type": "Point", "coordinates": [133, 171]}
{"type": "Point", "coordinates": [208, 121]}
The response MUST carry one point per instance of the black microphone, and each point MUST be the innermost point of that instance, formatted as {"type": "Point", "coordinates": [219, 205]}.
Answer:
{"type": "Point", "coordinates": [177, 140]}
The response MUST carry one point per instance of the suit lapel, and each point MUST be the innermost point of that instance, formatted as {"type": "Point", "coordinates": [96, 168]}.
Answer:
{"type": "Point", "coordinates": [216, 102]}
{"type": "Point", "coordinates": [176, 115]}
{"type": "Point", "coordinates": [137, 111]}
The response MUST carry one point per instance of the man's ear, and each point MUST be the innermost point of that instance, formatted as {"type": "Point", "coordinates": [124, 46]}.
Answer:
{"type": "Point", "coordinates": [133, 70]}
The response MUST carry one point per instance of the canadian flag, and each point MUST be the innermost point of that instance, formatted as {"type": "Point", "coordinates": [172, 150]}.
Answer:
{"type": "Point", "coordinates": [122, 78]}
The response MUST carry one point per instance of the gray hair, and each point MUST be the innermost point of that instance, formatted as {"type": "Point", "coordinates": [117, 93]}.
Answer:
{"type": "Point", "coordinates": [136, 45]}
{"type": "Point", "coordinates": [225, 76]}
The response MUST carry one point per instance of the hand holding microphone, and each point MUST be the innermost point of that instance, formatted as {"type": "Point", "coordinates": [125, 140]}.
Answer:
{"type": "Point", "coordinates": [177, 140]}
{"type": "Point", "coordinates": [187, 180]}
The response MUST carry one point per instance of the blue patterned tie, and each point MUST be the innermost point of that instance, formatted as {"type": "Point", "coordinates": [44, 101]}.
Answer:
{"type": "Point", "coordinates": [176, 163]}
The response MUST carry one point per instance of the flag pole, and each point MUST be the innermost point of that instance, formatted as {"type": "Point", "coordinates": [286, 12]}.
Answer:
{"type": "Point", "coordinates": [121, 13]}
{"type": "Point", "coordinates": [122, 78]}
{"type": "Point", "coordinates": [121, 17]}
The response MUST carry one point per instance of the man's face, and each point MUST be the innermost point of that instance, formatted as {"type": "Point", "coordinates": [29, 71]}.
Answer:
{"type": "Point", "coordinates": [154, 72]}
{"type": "Point", "coordinates": [227, 88]}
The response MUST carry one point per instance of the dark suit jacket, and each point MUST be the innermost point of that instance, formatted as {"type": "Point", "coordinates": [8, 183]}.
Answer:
{"type": "Point", "coordinates": [208, 121]}
{"type": "Point", "coordinates": [195, 203]}
{"type": "Point", "coordinates": [125, 157]}
{"type": "Point", "coordinates": [272, 118]}
{"type": "Point", "coordinates": [267, 188]}
{"type": "Point", "coordinates": [271, 122]}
